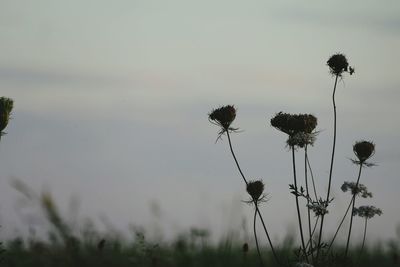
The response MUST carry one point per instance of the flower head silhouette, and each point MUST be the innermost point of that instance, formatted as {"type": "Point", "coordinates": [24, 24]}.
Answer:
{"type": "Point", "coordinates": [255, 189]}
{"type": "Point", "coordinates": [292, 124]}
{"type": "Point", "coordinates": [223, 117]}
{"type": "Point", "coordinates": [363, 150]}
{"type": "Point", "coordinates": [338, 64]}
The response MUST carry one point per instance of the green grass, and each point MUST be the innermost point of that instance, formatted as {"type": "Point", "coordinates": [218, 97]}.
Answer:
{"type": "Point", "coordinates": [185, 251]}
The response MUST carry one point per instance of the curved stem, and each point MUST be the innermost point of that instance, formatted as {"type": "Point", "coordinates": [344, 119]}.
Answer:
{"type": "Point", "coordinates": [352, 210]}
{"type": "Point", "coordinates": [234, 157]}
{"type": "Point", "coordinates": [308, 202]}
{"type": "Point", "coordinates": [297, 205]}
{"type": "Point", "coordinates": [255, 235]}
{"type": "Point", "coordinates": [312, 177]}
{"type": "Point", "coordinates": [331, 167]}
{"type": "Point", "coordinates": [313, 231]}
{"type": "Point", "coordinates": [340, 225]}
{"type": "Point", "coordinates": [257, 209]}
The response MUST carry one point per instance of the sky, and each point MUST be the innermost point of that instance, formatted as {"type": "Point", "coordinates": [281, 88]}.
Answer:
{"type": "Point", "coordinates": [111, 103]}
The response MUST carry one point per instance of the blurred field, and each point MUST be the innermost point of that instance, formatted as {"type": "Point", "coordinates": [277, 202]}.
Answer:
{"type": "Point", "coordinates": [72, 245]}
{"type": "Point", "coordinates": [189, 250]}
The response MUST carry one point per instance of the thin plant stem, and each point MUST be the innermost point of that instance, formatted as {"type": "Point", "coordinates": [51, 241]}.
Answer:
{"type": "Point", "coordinates": [313, 231]}
{"type": "Point", "coordinates": [331, 167]}
{"type": "Point", "coordinates": [364, 236]}
{"type": "Point", "coordinates": [257, 209]}
{"type": "Point", "coordinates": [340, 224]}
{"type": "Point", "coordinates": [312, 177]}
{"type": "Point", "coordinates": [297, 204]}
{"type": "Point", "coordinates": [308, 201]}
{"type": "Point", "coordinates": [234, 157]}
{"type": "Point", "coordinates": [352, 210]}
{"type": "Point", "coordinates": [255, 236]}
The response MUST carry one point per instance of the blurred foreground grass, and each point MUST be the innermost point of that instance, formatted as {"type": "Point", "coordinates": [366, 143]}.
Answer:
{"type": "Point", "coordinates": [65, 246]}
{"type": "Point", "coordinates": [184, 251]}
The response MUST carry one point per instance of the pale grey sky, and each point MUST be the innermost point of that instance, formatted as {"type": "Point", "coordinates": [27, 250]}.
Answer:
{"type": "Point", "coordinates": [111, 102]}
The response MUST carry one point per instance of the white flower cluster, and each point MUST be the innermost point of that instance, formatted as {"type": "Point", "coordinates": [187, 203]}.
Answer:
{"type": "Point", "coordinates": [360, 190]}
{"type": "Point", "coordinates": [367, 211]}
{"type": "Point", "coordinates": [319, 208]}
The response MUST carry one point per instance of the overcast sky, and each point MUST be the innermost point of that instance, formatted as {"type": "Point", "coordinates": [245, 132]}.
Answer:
{"type": "Point", "coordinates": [111, 102]}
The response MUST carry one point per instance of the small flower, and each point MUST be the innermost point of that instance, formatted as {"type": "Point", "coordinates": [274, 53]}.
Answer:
{"type": "Point", "coordinates": [223, 117]}
{"type": "Point", "coordinates": [255, 189]}
{"type": "Point", "coordinates": [319, 208]}
{"type": "Point", "coordinates": [367, 212]}
{"type": "Point", "coordinates": [363, 150]}
{"type": "Point", "coordinates": [360, 189]}
{"type": "Point", "coordinates": [6, 106]}
{"type": "Point", "coordinates": [338, 64]}
{"type": "Point", "coordinates": [301, 139]}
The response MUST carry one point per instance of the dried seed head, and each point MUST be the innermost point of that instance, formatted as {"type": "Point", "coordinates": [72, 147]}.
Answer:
{"type": "Point", "coordinates": [364, 150]}
{"type": "Point", "coordinates": [223, 116]}
{"type": "Point", "coordinates": [337, 64]}
{"type": "Point", "coordinates": [310, 122]}
{"type": "Point", "coordinates": [6, 106]}
{"type": "Point", "coordinates": [292, 124]}
{"type": "Point", "coordinates": [255, 189]}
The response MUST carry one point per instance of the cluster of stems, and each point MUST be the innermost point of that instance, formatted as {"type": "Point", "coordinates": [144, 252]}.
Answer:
{"type": "Point", "coordinates": [300, 129]}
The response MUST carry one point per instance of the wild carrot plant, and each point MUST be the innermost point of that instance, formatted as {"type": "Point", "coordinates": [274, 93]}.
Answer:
{"type": "Point", "coordinates": [338, 65]}
{"type": "Point", "coordinates": [300, 129]}
{"type": "Point", "coordinates": [223, 117]}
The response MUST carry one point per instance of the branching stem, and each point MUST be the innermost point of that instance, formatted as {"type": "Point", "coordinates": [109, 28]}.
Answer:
{"type": "Point", "coordinates": [352, 210]}
{"type": "Point", "coordinates": [255, 236]}
{"type": "Point", "coordinates": [257, 209]}
{"type": "Point", "coordinates": [297, 205]}
{"type": "Point", "coordinates": [308, 202]}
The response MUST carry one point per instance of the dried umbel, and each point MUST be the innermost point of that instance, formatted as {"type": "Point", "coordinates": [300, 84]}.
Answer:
{"type": "Point", "coordinates": [338, 64]}
{"type": "Point", "coordinates": [255, 189]}
{"type": "Point", "coordinates": [6, 106]}
{"type": "Point", "coordinates": [223, 116]}
{"type": "Point", "coordinates": [310, 122]}
{"type": "Point", "coordinates": [361, 189]}
{"type": "Point", "coordinates": [363, 150]}
{"type": "Point", "coordinates": [292, 124]}
{"type": "Point", "coordinates": [367, 212]}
